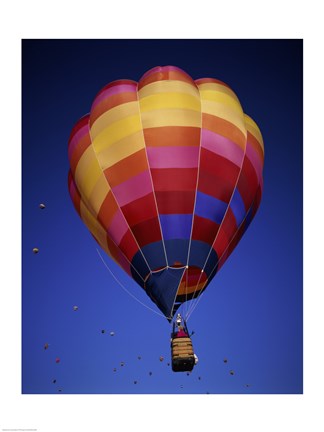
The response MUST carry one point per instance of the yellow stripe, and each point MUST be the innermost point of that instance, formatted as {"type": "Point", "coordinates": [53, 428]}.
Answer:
{"type": "Point", "coordinates": [99, 193]}
{"type": "Point", "coordinates": [113, 115]}
{"type": "Point", "coordinates": [121, 149]}
{"type": "Point", "coordinates": [171, 117]}
{"type": "Point", "coordinates": [217, 88]}
{"type": "Point", "coordinates": [116, 131]}
{"type": "Point", "coordinates": [94, 227]}
{"type": "Point", "coordinates": [167, 86]}
{"type": "Point", "coordinates": [169, 100]}
{"type": "Point", "coordinates": [253, 128]}
{"type": "Point", "coordinates": [225, 113]}
{"type": "Point", "coordinates": [223, 98]}
{"type": "Point", "coordinates": [87, 172]}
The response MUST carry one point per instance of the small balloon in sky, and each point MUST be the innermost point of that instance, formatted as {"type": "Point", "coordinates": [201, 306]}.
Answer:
{"type": "Point", "coordinates": [103, 331]}
{"type": "Point", "coordinates": [135, 382]}
{"type": "Point", "coordinates": [46, 346]}
{"type": "Point", "coordinates": [139, 357]}
{"type": "Point", "coordinates": [75, 308]}
{"type": "Point", "coordinates": [35, 250]}
{"type": "Point", "coordinates": [54, 381]}
{"type": "Point", "coordinates": [112, 333]}
{"type": "Point", "coordinates": [161, 358]}
{"type": "Point", "coordinates": [57, 360]}
{"type": "Point", "coordinates": [150, 373]}
{"type": "Point", "coordinates": [42, 206]}
{"type": "Point", "coordinates": [225, 360]}
{"type": "Point", "coordinates": [122, 363]}
{"type": "Point", "coordinates": [231, 372]}
{"type": "Point", "coordinates": [115, 370]}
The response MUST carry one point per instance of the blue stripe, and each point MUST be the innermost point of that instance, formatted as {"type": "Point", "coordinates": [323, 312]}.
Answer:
{"type": "Point", "coordinates": [176, 226]}
{"type": "Point", "coordinates": [210, 207]}
{"type": "Point", "coordinates": [237, 207]}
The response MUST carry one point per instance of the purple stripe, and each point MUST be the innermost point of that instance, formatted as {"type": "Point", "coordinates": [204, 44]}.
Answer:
{"type": "Point", "coordinates": [122, 88]}
{"type": "Point", "coordinates": [255, 160]}
{"type": "Point", "coordinates": [117, 228]}
{"type": "Point", "coordinates": [76, 139]}
{"type": "Point", "coordinates": [133, 188]}
{"type": "Point", "coordinates": [222, 146]}
{"type": "Point", "coordinates": [173, 157]}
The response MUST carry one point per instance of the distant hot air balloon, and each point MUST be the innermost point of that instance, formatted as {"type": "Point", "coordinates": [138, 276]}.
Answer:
{"type": "Point", "coordinates": [46, 346]}
{"type": "Point", "coordinates": [112, 333]}
{"type": "Point", "coordinates": [166, 173]}
{"type": "Point", "coordinates": [42, 206]}
{"type": "Point", "coordinates": [103, 331]}
{"type": "Point", "coordinates": [75, 308]}
{"type": "Point", "coordinates": [161, 358]}
{"type": "Point", "coordinates": [57, 360]}
{"type": "Point", "coordinates": [231, 372]}
{"type": "Point", "coordinates": [35, 250]}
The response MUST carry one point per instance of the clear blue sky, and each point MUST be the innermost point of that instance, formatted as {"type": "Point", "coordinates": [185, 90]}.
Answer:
{"type": "Point", "coordinates": [250, 314]}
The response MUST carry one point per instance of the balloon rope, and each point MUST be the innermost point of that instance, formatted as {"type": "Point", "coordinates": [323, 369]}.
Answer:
{"type": "Point", "coordinates": [197, 299]}
{"type": "Point", "coordinates": [125, 289]}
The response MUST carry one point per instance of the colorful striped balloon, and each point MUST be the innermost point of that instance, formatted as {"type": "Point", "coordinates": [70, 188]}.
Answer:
{"type": "Point", "coordinates": [166, 174]}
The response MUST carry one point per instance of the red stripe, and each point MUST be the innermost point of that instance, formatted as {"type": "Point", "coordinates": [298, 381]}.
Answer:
{"type": "Point", "coordinates": [204, 230]}
{"type": "Point", "coordinates": [169, 179]}
{"type": "Point", "coordinates": [128, 245]}
{"type": "Point", "coordinates": [175, 202]}
{"type": "Point", "coordinates": [248, 183]}
{"type": "Point", "coordinates": [147, 232]}
{"type": "Point", "coordinates": [219, 166]}
{"type": "Point", "coordinates": [140, 210]}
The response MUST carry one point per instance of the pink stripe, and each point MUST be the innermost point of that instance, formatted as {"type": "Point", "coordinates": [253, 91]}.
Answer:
{"type": "Point", "coordinates": [76, 139]}
{"type": "Point", "coordinates": [173, 157]}
{"type": "Point", "coordinates": [255, 160]}
{"type": "Point", "coordinates": [122, 88]}
{"type": "Point", "coordinates": [222, 146]}
{"type": "Point", "coordinates": [117, 228]}
{"type": "Point", "coordinates": [133, 188]}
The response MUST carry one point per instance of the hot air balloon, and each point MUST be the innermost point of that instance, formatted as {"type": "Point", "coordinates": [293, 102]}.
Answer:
{"type": "Point", "coordinates": [35, 250]}
{"type": "Point", "coordinates": [166, 173]}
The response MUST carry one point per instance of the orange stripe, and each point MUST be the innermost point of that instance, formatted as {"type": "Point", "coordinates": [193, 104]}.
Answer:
{"type": "Point", "coordinates": [107, 210]}
{"type": "Point", "coordinates": [165, 75]}
{"type": "Point", "coordinates": [80, 148]}
{"type": "Point", "coordinates": [111, 102]}
{"type": "Point", "coordinates": [211, 80]}
{"type": "Point", "coordinates": [127, 168]}
{"type": "Point", "coordinates": [224, 128]}
{"type": "Point", "coordinates": [256, 145]}
{"type": "Point", "coordinates": [172, 136]}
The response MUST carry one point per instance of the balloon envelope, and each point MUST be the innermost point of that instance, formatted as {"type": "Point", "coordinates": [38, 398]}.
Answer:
{"type": "Point", "coordinates": [166, 173]}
